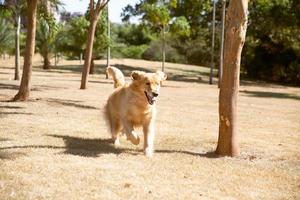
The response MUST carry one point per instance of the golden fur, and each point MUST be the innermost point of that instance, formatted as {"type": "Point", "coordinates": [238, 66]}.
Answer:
{"type": "Point", "coordinates": [116, 75]}
{"type": "Point", "coordinates": [133, 105]}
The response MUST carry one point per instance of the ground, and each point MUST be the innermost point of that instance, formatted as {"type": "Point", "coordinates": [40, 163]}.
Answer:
{"type": "Point", "coordinates": [56, 146]}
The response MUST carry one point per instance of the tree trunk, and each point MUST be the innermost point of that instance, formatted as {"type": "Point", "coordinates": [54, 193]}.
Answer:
{"type": "Point", "coordinates": [17, 46]}
{"type": "Point", "coordinates": [24, 89]}
{"type": "Point", "coordinates": [163, 49]}
{"type": "Point", "coordinates": [46, 61]}
{"type": "Point", "coordinates": [220, 72]}
{"type": "Point", "coordinates": [235, 33]}
{"type": "Point", "coordinates": [212, 64]}
{"type": "Point", "coordinates": [92, 68]}
{"type": "Point", "coordinates": [88, 52]}
{"type": "Point", "coordinates": [108, 47]}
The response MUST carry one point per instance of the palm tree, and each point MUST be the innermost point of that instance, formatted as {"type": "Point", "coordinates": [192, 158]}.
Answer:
{"type": "Point", "coordinates": [6, 35]}
{"type": "Point", "coordinates": [45, 40]}
{"type": "Point", "coordinates": [24, 89]}
{"type": "Point", "coordinates": [15, 8]}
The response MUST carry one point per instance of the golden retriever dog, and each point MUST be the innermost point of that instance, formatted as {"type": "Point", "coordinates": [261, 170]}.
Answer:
{"type": "Point", "coordinates": [133, 105]}
{"type": "Point", "coordinates": [116, 75]}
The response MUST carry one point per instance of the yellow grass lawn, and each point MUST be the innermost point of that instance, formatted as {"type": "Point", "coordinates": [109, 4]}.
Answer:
{"type": "Point", "coordinates": [56, 146]}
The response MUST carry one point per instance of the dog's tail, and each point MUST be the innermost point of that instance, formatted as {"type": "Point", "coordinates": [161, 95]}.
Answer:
{"type": "Point", "coordinates": [116, 75]}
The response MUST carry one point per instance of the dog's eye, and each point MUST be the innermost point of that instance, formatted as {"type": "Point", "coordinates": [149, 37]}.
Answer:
{"type": "Point", "coordinates": [148, 83]}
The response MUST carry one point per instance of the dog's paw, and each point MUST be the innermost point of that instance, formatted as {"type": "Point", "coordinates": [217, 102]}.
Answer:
{"type": "Point", "coordinates": [148, 152]}
{"type": "Point", "coordinates": [134, 138]}
{"type": "Point", "coordinates": [117, 142]}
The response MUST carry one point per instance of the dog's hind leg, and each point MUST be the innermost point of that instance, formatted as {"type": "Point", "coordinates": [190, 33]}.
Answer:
{"type": "Point", "coordinates": [130, 134]}
{"type": "Point", "coordinates": [115, 131]}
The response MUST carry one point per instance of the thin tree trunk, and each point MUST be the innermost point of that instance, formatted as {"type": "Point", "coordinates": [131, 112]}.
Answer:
{"type": "Point", "coordinates": [92, 68]}
{"type": "Point", "coordinates": [220, 72]}
{"type": "Point", "coordinates": [46, 61]}
{"type": "Point", "coordinates": [108, 47]}
{"type": "Point", "coordinates": [163, 49]}
{"type": "Point", "coordinates": [55, 59]}
{"type": "Point", "coordinates": [236, 25]}
{"type": "Point", "coordinates": [212, 64]}
{"type": "Point", "coordinates": [88, 53]}
{"type": "Point", "coordinates": [17, 46]}
{"type": "Point", "coordinates": [24, 89]}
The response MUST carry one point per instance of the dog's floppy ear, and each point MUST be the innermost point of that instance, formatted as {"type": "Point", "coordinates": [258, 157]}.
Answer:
{"type": "Point", "coordinates": [136, 75]}
{"type": "Point", "coordinates": [162, 75]}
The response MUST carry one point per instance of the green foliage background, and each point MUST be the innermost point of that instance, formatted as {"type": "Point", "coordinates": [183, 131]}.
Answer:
{"type": "Point", "coordinates": [271, 51]}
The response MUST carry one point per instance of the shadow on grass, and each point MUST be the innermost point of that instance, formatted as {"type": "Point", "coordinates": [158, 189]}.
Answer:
{"type": "Point", "coordinates": [76, 146]}
{"type": "Point", "coordinates": [3, 114]}
{"type": "Point", "coordinates": [6, 86]}
{"type": "Point", "coordinates": [87, 147]}
{"type": "Point", "coordinates": [96, 147]}
{"type": "Point", "coordinates": [4, 139]}
{"type": "Point", "coordinates": [11, 107]}
{"type": "Point", "coordinates": [186, 75]}
{"type": "Point", "coordinates": [46, 87]}
{"type": "Point", "coordinates": [72, 103]}
{"type": "Point", "coordinates": [270, 95]}
{"type": "Point", "coordinates": [206, 155]}
{"type": "Point", "coordinates": [10, 155]}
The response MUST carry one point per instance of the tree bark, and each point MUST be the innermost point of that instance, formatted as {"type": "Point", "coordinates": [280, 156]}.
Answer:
{"type": "Point", "coordinates": [46, 61]}
{"type": "Point", "coordinates": [212, 64]}
{"type": "Point", "coordinates": [220, 72]}
{"type": "Point", "coordinates": [95, 12]}
{"type": "Point", "coordinates": [163, 49]}
{"type": "Point", "coordinates": [92, 68]}
{"type": "Point", "coordinates": [24, 89]}
{"type": "Point", "coordinates": [17, 45]}
{"type": "Point", "coordinates": [108, 47]}
{"type": "Point", "coordinates": [88, 53]}
{"type": "Point", "coordinates": [235, 33]}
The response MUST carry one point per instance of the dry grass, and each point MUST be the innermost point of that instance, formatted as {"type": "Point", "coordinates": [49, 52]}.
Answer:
{"type": "Point", "coordinates": [56, 146]}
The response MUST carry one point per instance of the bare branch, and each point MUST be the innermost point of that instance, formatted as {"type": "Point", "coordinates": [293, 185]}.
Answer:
{"type": "Point", "coordinates": [92, 7]}
{"type": "Point", "coordinates": [104, 4]}
{"type": "Point", "coordinates": [101, 5]}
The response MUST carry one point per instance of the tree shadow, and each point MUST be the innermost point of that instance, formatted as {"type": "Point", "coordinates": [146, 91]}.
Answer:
{"type": "Point", "coordinates": [46, 87]}
{"type": "Point", "coordinates": [10, 155]}
{"type": "Point", "coordinates": [61, 69]}
{"type": "Point", "coordinates": [6, 86]}
{"type": "Point", "coordinates": [96, 147]}
{"type": "Point", "coordinates": [4, 139]}
{"type": "Point", "coordinates": [211, 154]}
{"type": "Point", "coordinates": [186, 78]}
{"type": "Point", "coordinates": [270, 95]}
{"type": "Point", "coordinates": [3, 114]}
{"type": "Point", "coordinates": [72, 103]}
{"type": "Point", "coordinates": [194, 72]}
{"type": "Point", "coordinates": [11, 107]}
{"type": "Point", "coordinates": [191, 76]}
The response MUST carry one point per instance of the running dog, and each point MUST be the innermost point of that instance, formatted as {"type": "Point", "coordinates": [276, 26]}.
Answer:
{"type": "Point", "coordinates": [133, 105]}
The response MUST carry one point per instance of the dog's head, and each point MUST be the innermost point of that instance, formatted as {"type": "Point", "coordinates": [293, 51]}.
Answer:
{"type": "Point", "coordinates": [148, 84]}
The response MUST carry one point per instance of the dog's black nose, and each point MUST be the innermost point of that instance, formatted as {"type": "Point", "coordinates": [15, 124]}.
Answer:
{"type": "Point", "coordinates": [154, 94]}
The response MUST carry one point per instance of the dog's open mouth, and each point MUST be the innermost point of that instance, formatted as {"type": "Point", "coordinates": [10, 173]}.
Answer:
{"type": "Point", "coordinates": [151, 100]}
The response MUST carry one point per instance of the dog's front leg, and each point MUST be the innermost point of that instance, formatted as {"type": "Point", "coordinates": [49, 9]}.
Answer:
{"type": "Point", "coordinates": [148, 129]}
{"type": "Point", "coordinates": [131, 135]}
